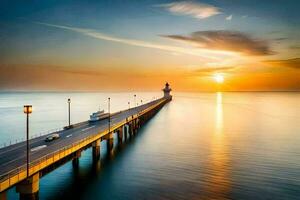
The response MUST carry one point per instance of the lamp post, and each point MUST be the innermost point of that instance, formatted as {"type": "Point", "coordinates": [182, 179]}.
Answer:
{"type": "Point", "coordinates": [108, 114]}
{"type": "Point", "coordinates": [141, 102]}
{"type": "Point", "coordinates": [128, 105]}
{"type": "Point", "coordinates": [69, 102]}
{"type": "Point", "coordinates": [135, 100]}
{"type": "Point", "coordinates": [27, 111]}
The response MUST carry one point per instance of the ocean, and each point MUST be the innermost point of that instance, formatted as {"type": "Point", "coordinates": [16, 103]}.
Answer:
{"type": "Point", "coordinates": [232, 145]}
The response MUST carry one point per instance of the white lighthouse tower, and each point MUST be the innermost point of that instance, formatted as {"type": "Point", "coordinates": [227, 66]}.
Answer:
{"type": "Point", "coordinates": [167, 91]}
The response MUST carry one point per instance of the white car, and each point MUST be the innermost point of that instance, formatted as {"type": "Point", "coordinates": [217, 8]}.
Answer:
{"type": "Point", "coordinates": [52, 137]}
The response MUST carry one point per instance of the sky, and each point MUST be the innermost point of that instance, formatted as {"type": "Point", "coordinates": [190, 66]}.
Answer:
{"type": "Point", "coordinates": [126, 45]}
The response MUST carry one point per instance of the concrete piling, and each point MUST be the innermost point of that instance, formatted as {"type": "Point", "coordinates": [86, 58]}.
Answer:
{"type": "Point", "coordinates": [110, 142]}
{"type": "Point", "coordinates": [96, 149]}
{"type": "Point", "coordinates": [131, 132]}
{"type": "Point", "coordinates": [125, 132]}
{"type": "Point", "coordinates": [120, 134]}
{"type": "Point", "coordinates": [3, 195]}
{"type": "Point", "coordinates": [29, 188]}
{"type": "Point", "coordinates": [75, 161]}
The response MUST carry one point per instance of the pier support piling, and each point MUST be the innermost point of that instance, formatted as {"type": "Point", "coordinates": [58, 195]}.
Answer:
{"type": "Point", "coordinates": [29, 188]}
{"type": "Point", "coordinates": [120, 134]}
{"type": "Point", "coordinates": [110, 142]}
{"type": "Point", "coordinates": [3, 195]}
{"type": "Point", "coordinates": [139, 122]}
{"type": "Point", "coordinates": [96, 149]}
{"type": "Point", "coordinates": [131, 129]}
{"type": "Point", "coordinates": [125, 132]}
{"type": "Point", "coordinates": [75, 161]}
{"type": "Point", "coordinates": [135, 126]}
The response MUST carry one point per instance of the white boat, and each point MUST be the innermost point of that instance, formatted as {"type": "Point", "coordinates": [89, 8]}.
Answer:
{"type": "Point", "coordinates": [96, 116]}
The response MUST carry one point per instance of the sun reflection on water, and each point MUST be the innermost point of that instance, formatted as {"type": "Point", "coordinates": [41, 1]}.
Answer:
{"type": "Point", "coordinates": [218, 177]}
{"type": "Point", "coordinates": [219, 113]}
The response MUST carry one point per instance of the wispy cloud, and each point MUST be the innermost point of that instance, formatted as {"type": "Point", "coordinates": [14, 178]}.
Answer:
{"type": "Point", "coordinates": [204, 53]}
{"type": "Point", "coordinates": [281, 39]}
{"type": "Point", "coordinates": [226, 40]}
{"type": "Point", "coordinates": [295, 47]}
{"type": "Point", "coordinates": [192, 8]}
{"type": "Point", "coordinates": [229, 18]}
{"type": "Point", "coordinates": [291, 63]}
{"type": "Point", "coordinates": [83, 72]}
{"type": "Point", "coordinates": [214, 69]}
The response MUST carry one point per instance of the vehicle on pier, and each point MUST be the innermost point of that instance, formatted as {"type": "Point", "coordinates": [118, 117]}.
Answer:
{"type": "Point", "coordinates": [96, 116]}
{"type": "Point", "coordinates": [52, 137]}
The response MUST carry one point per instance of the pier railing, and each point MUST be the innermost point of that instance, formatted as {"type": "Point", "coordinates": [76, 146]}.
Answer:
{"type": "Point", "coordinates": [43, 133]}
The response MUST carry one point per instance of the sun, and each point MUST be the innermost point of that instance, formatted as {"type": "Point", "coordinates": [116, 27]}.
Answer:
{"type": "Point", "coordinates": [219, 78]}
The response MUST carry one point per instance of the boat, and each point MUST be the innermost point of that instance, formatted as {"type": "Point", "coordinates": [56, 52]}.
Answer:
{"type": "Point", "coordinates": [96, 116]}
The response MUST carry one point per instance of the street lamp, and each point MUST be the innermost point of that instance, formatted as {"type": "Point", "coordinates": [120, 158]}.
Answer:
{"type": "Point", "coordinates": [69, 102]}
{"type": "Point", "coordinates": [135, 100]}
{"type": "Point", "coordinates": [128, 105]}
{"type": "Point", "coordinates": [141, 102]}
{"type": "Point", "coordinates": [27, 111]}
{"type": "Point", "coordinates": [108, 114]}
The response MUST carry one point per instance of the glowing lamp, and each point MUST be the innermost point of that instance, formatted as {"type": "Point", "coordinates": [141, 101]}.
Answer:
{"type": "Point", "coordinates": [28, 109]}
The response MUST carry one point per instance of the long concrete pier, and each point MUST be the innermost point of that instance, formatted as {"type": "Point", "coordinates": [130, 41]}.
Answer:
{"type": "Point", "coordinates": [51, 155]}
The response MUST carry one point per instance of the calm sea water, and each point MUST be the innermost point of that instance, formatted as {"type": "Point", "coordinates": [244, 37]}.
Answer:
{"type": "Point", "coordinates": [199, 146]}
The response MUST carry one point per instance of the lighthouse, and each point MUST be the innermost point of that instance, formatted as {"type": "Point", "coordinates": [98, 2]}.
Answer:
{"type": "Point", "coordinates": [167, 91]}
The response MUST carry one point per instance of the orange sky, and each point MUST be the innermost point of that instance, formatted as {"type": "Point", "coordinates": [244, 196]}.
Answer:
{"type": "Point", "coordinates": [37, 78]}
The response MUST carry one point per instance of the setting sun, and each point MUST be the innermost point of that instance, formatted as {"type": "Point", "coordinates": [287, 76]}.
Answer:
{"type": "Point", "coordinates": [219, 78]}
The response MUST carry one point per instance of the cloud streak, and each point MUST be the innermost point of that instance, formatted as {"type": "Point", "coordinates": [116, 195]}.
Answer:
{"type": "Point", "coordinates": [291, 63]}
{"type": "Point", "coordinates": [295, 47]}
{"type": "Point", "coordinates": [214, 69]}
{"type": "Point", "coordinates": [191, 8]}
{"type": "Point", "coordinates": [204, 53]}
{"type": "Point", "coordinates": [226, 40]}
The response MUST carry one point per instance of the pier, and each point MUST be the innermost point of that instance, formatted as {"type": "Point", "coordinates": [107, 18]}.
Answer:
{"type": "Point", "coordinates": [72, 141]}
